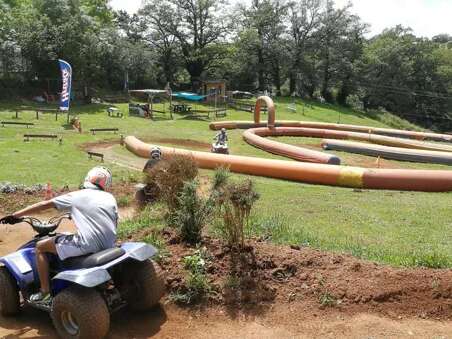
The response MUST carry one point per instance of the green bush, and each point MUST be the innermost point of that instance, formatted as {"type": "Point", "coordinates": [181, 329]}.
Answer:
{"type": "Point", "coordinates": [191, 213]}
{"type": "Point", "coordinates": [197, 284]}
{"type": "Point", "coordinates": [236, 201]}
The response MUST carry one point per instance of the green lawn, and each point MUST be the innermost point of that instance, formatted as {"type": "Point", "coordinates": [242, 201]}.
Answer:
{"type": "Point", "coordinates": [400, 228]}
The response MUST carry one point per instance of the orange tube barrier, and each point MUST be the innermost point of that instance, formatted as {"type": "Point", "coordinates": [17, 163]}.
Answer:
{"type": "Point", "coordinates": [398, 179]}
{"type": "Point", "coordinates": [342, 127]}
{"type": "Point", "coordinates": [325, 133]}
{"type": "Point", "coordinates": [254, 136]}
{"type": "Point", "coordinates": [270, 110]}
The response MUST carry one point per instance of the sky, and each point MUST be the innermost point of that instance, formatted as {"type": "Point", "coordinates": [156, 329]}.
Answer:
{"type": "Point", "coordinates": [427, 18]}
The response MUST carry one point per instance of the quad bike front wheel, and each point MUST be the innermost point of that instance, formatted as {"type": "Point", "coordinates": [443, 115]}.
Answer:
{"type": "Point", "coordinates": [80, 313]}
{"type": "Point", "coordinates": [9, 294]}
{"type": "Point", "coordinates": [146, 285]}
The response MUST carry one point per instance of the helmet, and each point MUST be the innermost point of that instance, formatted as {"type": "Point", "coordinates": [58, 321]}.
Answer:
{"type": "Point", "coordinates": [100, 177]}
{"type": "Point", "coordinates": [223, 130]}
{"type": "Point", "coordinates": [156, 153]}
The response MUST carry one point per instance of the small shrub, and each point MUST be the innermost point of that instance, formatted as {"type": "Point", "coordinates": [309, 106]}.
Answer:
{"type": "Point", "coordinates": [236, 201]}
{"type": "Point", "coordinates": [220, 178]}
{"type": "Point", "coordinates": [191, 213]}
{"type": "Point", "coordinates": [327, 299]}
{"type": "Point", "coordinates": [197, 284]}
{"type": "Point", "coordinates": [195, 262]}
{"type": "Point", "coordinates": [170, 175]}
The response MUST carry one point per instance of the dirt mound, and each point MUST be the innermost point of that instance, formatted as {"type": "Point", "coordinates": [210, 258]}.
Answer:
{"type": "Point", "coordinates": [187, 143]}
{"type": "Point", "coordinates": [87, 146]}
{"type": "Point", "coordinates": [315, 280]}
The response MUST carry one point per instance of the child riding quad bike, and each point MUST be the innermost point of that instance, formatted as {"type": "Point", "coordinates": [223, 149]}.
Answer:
{"type": "Point", "coordinates": [149, 192]}
{"type": "Point", "coordinates": [80, 278]}
{"type": "Point", "coordinates": [220, 145]}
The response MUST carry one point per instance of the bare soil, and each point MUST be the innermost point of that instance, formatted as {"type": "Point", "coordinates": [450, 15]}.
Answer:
{"type": "Point", "coordinates": [189, 143]}
{"type": "Point", "coordinates": [278, 297]}
{"type": "Point", "coordinates": [267, 274]}
{"type": "Point", "coordinates": [377, 301]}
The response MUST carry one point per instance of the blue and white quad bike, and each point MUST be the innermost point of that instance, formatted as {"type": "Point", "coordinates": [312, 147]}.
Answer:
{"type": "Point", "coordinates": [85, 289]}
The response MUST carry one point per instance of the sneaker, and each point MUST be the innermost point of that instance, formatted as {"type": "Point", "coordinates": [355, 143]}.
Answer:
{"type": "Point", "coordinates": [41, 298]}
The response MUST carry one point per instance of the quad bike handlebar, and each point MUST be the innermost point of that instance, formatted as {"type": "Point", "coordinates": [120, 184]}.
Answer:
{"type": "Point", "coordinates": [43, 228]}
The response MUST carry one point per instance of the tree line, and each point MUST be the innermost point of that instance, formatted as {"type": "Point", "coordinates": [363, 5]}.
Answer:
{"type": "Point", "coordinates": [305, 48]}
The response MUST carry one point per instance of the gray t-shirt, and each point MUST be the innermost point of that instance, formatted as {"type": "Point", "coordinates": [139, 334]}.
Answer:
{"type": "Point", "coordinates": [95, 214]}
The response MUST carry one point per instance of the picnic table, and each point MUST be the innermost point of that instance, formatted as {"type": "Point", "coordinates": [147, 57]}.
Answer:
{"type": "Point", "coordinates": [114, 112]}
{"type": "Point", "coordinates": [181, 108]}
{"type": "Point", "coordinates": [47, 110]}
{"type": "Point", "coordinates": [37, 110]}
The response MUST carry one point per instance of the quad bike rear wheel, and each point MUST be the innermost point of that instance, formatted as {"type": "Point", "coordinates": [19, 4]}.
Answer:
{"type": "Point", "coordinates": [9, 294]}
{"type": "Point", "coordinates": [146, 285]}
{"type": "Point", "coordinates": [80, 313]}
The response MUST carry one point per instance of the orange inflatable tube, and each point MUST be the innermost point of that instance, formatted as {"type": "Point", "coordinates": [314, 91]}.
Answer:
{"type": "Point", "coordinates": [356, 177]}
{"type": "Point", "coordinates": [255, 137]}
{"type": "Point", "coordinates": [321, 125]}
{"type": "Point", "coordinates": [325, 133]}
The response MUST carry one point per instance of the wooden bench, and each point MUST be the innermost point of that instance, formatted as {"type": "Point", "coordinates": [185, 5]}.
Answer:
{"type": "Point", "coordinates": [95, 154]}
{"type": "Point", "coordinates": [41, 136]}
{"type": "Point", "coordinates": [94, 130]}
{"type": "Point", "coordinates": [17, 123]}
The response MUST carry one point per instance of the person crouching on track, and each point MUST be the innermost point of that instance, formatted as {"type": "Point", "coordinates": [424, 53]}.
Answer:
{"type": "Point", "coordinates": [95, 214]}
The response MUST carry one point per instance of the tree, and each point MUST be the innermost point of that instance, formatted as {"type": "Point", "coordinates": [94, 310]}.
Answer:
{"type": "Point", "coordinates": [305, 19]}
{"type": "Point", "coordinates": [198, 25]}
{"type": "Point", "coordinates": [403, 74]}
{"type": "Point", "coordinates": [157, 16]}
{"type": "Point", "coordinates": [264, 29]}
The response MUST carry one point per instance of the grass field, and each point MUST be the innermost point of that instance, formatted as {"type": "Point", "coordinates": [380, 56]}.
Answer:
{"type": "Point", "coordinates": [399, 228]}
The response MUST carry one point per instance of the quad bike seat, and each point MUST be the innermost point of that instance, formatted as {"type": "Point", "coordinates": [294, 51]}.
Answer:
{"type": "Point", "coordinates": [92, 260]}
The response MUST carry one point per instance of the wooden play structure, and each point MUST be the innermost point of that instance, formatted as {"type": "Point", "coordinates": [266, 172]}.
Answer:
{"type": "Point", "coordinates": [147, 109]}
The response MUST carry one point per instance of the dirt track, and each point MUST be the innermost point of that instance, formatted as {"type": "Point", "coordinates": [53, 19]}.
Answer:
{"type": "Point", "coordinates": [278, 321]}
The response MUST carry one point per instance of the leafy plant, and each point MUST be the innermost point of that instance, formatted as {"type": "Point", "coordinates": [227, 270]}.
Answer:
{"type": "Point", "coordinates": [327, 299]}
{"type": "Point", "coordinates": [197, 284]}
{"type": "Point", "coordinates": [236, 201]}
{"type": "Point", "coordinates": [191, 213]}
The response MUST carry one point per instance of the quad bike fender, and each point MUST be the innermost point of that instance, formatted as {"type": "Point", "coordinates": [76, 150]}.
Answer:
{"type": "Point", "coordinates": [19, 264]}
{"type": "Point", "coordinates": [87, 277]}
{"type": "Point", "coordinates": [95, 276]}
{"type": "Point", "coordinates": [139, 251]}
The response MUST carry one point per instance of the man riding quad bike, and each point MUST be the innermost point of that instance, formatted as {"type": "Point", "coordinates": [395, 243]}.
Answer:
{"type": "Point", "coordinates": [79, 278]}
{"type": "Point", "coordinates": [220, 145]}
